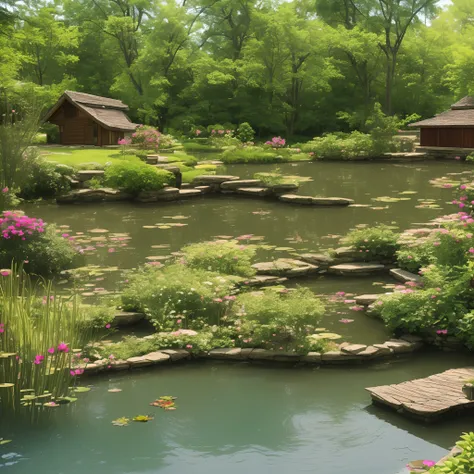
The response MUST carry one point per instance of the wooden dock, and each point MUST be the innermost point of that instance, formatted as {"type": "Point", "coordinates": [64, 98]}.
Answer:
{"type": "Point", "coordinates": [430, 398]}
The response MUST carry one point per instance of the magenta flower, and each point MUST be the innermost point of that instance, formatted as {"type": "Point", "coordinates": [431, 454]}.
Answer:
{"type": "Point", "coordinates": [340, 293]}
{"type": "Point", "coordinates": [457, 157]}
{"type": "Point", "coordinates": [72, 372]}
{"type": "Point", "coordinates": [189, 346]}
{"type": "Point", "coordinates": [5, 272]}
{"type": "Point", "coordinates": [179, 321]}
{"type": "Point", "coordinates": [428, 463]}
{"type": "Point", "coordinates": [78, 371]}
{"type": "Point", "coordinates": [359, 308]}
{"type": "Point", "coordinates": [111, 357]}
{"type": "Point", "coordinates": [38, 359]}
{"type": "Point", "coordinates": [442, 331]}
{"type": "Point", "coordinates": [349, 301]}
{"type": "Point", "coordinates": [111, 250]}
{"type": "Point", "coordinates": [463, 186]}
{"type": "Point", "coordinates": [5, 190]}
{"type": "Point", "coordinates": [107, 326]}
{"type": "Point", "coordinates": [346, 321]}
{"type": "Point", "coordinates": [51, 350]}
{"type": "Point", "coordinates": [471, 250]}
{"type": "Point", "coordinates": [2, 328]}
{"type": "Point", "coordinates": [63, 347]}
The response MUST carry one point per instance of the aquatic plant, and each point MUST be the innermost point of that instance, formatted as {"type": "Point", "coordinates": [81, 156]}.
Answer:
{"type": "Point", "coordinates": [122, 421]}
{"type": "Point", "coordinates": [39, 346]}
{"type": "Point", "coordinates": [228, 257]}
{"type": "Point", "coordinates": [142, 418]}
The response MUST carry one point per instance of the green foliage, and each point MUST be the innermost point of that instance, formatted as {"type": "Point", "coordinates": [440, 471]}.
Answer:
{"type": "Point", "coordinates": [228, 257]}
{"type": "Point", "coordinates": [177, 292]}
{"type": "Point", "coordinates": [245, 132]}
{"type": "Point", "coordinates": [374, 243]}
{"type": "Point", "coordinates": [382, 128]}
{"type": "Point", "coordinates": [42, 253]}
{"type": "Point", "coordinates": [470, 157]}
{"type": "Point", "coordinates": [250, 154]}
{"type": "Point", "coordinates": [191, 175]}
{"type": "Point", "coordinates": [270, 179]}
{"type": "Point", "coordinates": [194, 146]}
{"type": "Point", "coordinates": [44, 179]}
{"type": "Point", "coordinates": [146, 137]}
{"type": "Point", "coordinates": [412, 118]}
{"type": "Point", "coordinates": [136, 177]}
{"type": "Point", "coordinates": [97, 316]}
{"type": "Point", "coordinates": [296, 310]}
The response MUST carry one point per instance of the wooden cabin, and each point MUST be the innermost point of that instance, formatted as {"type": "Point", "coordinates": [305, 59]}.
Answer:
{"type": "Point", "coordinates": [453, 128]}
{"type": "Point", "coordinates": [86, 119]}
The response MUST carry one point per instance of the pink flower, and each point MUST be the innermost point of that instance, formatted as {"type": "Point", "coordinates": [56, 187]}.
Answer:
{"type": "Point", "coordinates": [86, 360]}
{"type": "Point", "coordinates": [359, 308]}
{"type": "Point", "coordinates": [5, 190]}
{"type": "Point", "coordinates": [5, 272]}
{"type": "Point", "coordinates": [457, 157]}
{"type": "Point", "coordinates": [107, 326]}
{"type": "Point", "coordinates": [72, 372]}
{"type": "Point", "coordinates": [340, 293]}
{"type": "Point", "coordinates": [179, 321]}
{"type": "Point", "coordinates": [38, 359]}
{"type": "Point", "coordinates": [428, 463]}
{"type": "Point", "coordinates": [63, 347]}
{"type": "Point", "coordinates": [471, 250]}
{"type": "Point", "coordinates": [463, 186]}
{"type": "Point", "coordinates": [79, 371]}
{"type": "Point", "coordinates": [346, 321]}
{"type": "Point", "coordinates": [111, 250]}
{"type": "Point", "coordinates": [442, 331]}
{"type": "Point", "coordinates": [217, 300]}
{"type": "Point", "coordinates": [436, 244]}
{"type": "Point", "coordinates": [198, 132]}
{"type": "Point", "coordinates": [111, 357]}
{"type": "Point", "coordinates": [51, 350]}
{"type": "Point", "coordinates": [189, 346]}
{"type": "Point", "coordinates": [349, 301]}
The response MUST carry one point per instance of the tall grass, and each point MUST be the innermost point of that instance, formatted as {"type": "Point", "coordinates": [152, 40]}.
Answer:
{"type": "Point", "coordinates": [39, 344]}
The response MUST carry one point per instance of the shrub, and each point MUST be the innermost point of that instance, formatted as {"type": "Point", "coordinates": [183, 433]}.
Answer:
{"type": "Point", "coordinates": [194, 146]}
{"type": "Point", "coordinates": [250, 155]}
{"type": "Point", "coordinates": [382, 128]}
{"type": "Point", "coordinates": [134, 177]}
{"type": "Point", "coordinates": [348, 146]}
{"type": "Point", "coordinates": [146, 137]}
{"type": "Point", "coordinates": [181, 157]}
{"type": "Point", "coordinates": [276, 142]}
{"type": "Point", "coordinates": [374, 243]}
{"type": "Point", "coordinates": [408, 120]}
{"type": "Point", "coordinates": [45, 179]}
{"type": "Point", "coordinates": [98, 316]}
{"type": "Point", "coordinates": [191, 175]}
{"type": "Point", "coordinates": [415, 257]}
{"type": "Point", "coordinates": [227, 257]}
{"type": "Point", "coordinates": [295, 311]}
{"type": "Point", "coordinates": [245, 132]}
{"type": "Point", "coordinates": [176, 292]}
{"type": "Point", "coordinates": [38, 246]}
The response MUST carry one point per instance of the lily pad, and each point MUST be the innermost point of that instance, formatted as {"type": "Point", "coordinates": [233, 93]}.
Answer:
{"type": "Point", "coordinates": [164, 227]}
{"type": "Point", "coordinates": [81, 389]}
{"type": "Point", "coordinates": [99, 231]}
{"type": "Point", "coordinates": [142, 418]}
{"type": "Point", "coordinates": [51, 404]}
{"type": "Point", "coordinates": [5, 441]}
{"type": "Point", "coordinates": [6, 385]}
{"type": "Point", "coordinates": [122, 421]}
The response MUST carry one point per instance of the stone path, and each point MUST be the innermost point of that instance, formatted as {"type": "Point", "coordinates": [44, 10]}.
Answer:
{"type": "Point", "coordinates": [427, 398]}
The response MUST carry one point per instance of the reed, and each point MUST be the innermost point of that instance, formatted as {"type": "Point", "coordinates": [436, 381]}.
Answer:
{"type": "Point", "coordinates": [40, 343]}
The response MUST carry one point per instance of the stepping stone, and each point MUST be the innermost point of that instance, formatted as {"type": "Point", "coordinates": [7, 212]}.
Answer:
{"type": "Point", "coordinates": [93, 195]}
{"type": "Point", "coordinates": [204, 189]}
{"type": "Point", "coordinates": [286, 267]}
{"type": "Point", "coordinates": [171, 168]}
{"type": "Point", "coordinates": [126, 318]}
{"type": "Point", "coordinates": [315, 201]}
{"type": "Point", "coordinates": [264, 280]}
{"type": "Point", "coordinates": [166, 194]}
{"type": "Point", "coordinates": [399, 346]}
{"type": "Point", "coordinates": [353, 348]}
{"type": "Point", "coordinates": [259, 192]}
{"type": "Point", "coordinates": [211, 162]}
{"type": "Point", "coordinates": [317, 258]}
{"type": "Point", "coordinates": [366, 300]}
{"type": "Point", "coordinates": [284, 188]}
{"type": "Point", "coordinates": [356, 268]}
{"type": "Point", "coordinates": [296, 199]}
{"type": "Point", "coordinates": [188, 193]}
{"type": "Point", "coordinates": [241, 183]}
{"type": "Point", "coordinates": [155, 159]}
{"type": "Point", "coordinates": [225, 353]}
{"type": "Point", "coordinates": [214, 179]}
{"type": "Point", "coordinates": [311, 358]}
{"type": "Point", "coordinates": [86, 175]}
{"type": "Point", "coordinates": [404, 275]}
{"type": "Point", "coordinates": [176, 354]}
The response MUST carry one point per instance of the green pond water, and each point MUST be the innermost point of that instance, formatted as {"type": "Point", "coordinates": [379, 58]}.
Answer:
{"type": "Point", "coordinates": [241, 418]}
{"type": "Point", "coordinates": [235, 419]}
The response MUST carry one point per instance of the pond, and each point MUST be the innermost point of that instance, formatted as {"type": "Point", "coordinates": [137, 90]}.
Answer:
{"type": "Point", "coordinates": [131, 236]}
{"type": "Point", "coordinates": [234, 419]}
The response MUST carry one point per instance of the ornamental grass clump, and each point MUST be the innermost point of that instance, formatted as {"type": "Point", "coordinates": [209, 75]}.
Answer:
{"type": "Point", "coordinates": [37, 246]}
{"type": "Point", "coordinates": [177, 296]}
{"type": "Point", "coordinates": [228, 257]}
{"type": "Point", "coordinates": [373, 243]}
{"type": "Point", "coordinates": [40, 344]}
{"type": "Point", "coordinates": [135, 177]}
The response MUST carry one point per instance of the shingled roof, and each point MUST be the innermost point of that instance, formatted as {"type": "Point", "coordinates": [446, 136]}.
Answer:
{"type": "Point", "coordinates": [461, 114]}
{"type": "Point", "coordinates": [110, 113]}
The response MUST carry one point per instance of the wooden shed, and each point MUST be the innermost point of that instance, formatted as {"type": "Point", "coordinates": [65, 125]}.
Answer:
{"type": "Point", "coordinates": [453, 128]}
{"type": "Point", "coordinates": [86, 119]}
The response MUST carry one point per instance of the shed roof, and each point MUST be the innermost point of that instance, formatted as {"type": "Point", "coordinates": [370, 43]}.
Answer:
{"type": "Point", "coordinates": [110, 113]}
{"type": "Point", "coordinates": [461, 114]}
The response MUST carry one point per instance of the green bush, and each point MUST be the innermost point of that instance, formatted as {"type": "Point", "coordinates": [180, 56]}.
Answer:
{"type": "Point", "coordinates": [382, 128]}
{"type": "Point", "coordinates": [191, 175]}
{"type": "Point", "coordinates": [227, 257]}
{"type": "Point", "coordinates": [250, 154]}
{"type": "Point", "coordinates": [137, 177]}
{"type": "Point", "coordinates": [245, 133]}
{"type": "Point", "coordinates": [98, 316]}
{"type": "Point", "coordinates": [45, 179]}
{"type": "Point", "coordinates": [182, 157]}
{"type": "Point", "coordinates": [415, 257]}
{"type": "Point", "coordinates": [176, 292]}
{"type": "Point", "coordinates": [36, 245]}
{"type": "Point", "coordinates": [195, 146]}
{"type": "Point", "coordinates": [296, 311]}
{"type": "Point", "coordinates": [374, 243]}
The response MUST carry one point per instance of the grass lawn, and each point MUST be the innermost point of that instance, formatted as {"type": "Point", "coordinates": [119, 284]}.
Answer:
{"type": "Point", "coordinates": [76, 156]}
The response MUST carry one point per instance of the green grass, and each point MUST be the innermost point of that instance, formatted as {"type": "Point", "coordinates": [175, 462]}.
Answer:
{"type": "Point", "coordinates": [77, 156]}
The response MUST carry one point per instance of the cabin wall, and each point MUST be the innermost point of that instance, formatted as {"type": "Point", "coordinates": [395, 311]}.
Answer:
{"type": "Point", "coordinates": [449, 137]}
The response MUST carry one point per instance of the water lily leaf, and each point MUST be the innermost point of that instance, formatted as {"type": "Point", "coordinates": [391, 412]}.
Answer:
{"type": "Point", "coordinates": [5, 441]}
{"type": "Point", "coordinates": [6, 355]}
{"type": "Point", "coordinates": [6, 385]}
{"type": "Point", "coordinates": [142, 418]}
{"type": "Point", "coordinates": [28, 398]}
{"type": "Point", "coordinates": [122, 421]}
{"type": "Point", "coordinates": [164, 227]}
{"type": "Point", "coordinates": [408, 192]}
{"type": "Point", "coordinates": [27, 390]}
{"type": "Point", "coordinates": [98, 231]}
{"type": "Point", "coordinates": [82, 389]}
{"type": "Point", "coordinates": [149, 226]}
{"type": "Point", "coordinates": [386, 199]}
{"type": "Point", "coordinates": [45, 395]}
{"type": "Point", "coordinates": [65, 400]}
{"type": "Point", "coordinates": [51, 404]}
{"type": "Point", "coordinates": [327, 335]}
{"type": "Point", "coordinates": [161, 246]}
{"type": "Point", "coordinates": [114, 390]}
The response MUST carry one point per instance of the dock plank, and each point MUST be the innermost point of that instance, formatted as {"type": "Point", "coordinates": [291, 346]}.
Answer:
{"type": "Point", "coordinates": [429, 397]}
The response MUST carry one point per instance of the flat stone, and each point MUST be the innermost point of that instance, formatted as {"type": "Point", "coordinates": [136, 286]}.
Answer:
{"type": "Point", "coordinates": [404, 276]}
{"type": "Point", "coordinates": [166, 194]}
{"type": "Point", "coordinates": [245, 352]}
{"type": "Point", "coordinates": [154, 159]}
{"type": "Point", "coordinates": [211, 162]}
{"type": "Point", "coordinates": [176, 354]}
{"type": "Point", "coordinates": [171, 168]}
{"type": "Point", "coordinates": [361, 268]}
{"type": "Point", "coordinates": [332, 201]}
{"type": "Point", "coordinates": [204, 189]}
{"type": "Point", "coordinates": [370, 351]}
{"type": "Point", "coordinates": [317, 258]}
{"type": "Point", "coordinates": [225, 353]}
{"type": "Point", "coordinates": [311, 357]}
{"type": "Point", "coordinates": [140, 361]}
{"type": "Point", "coordinates": [126, 318]}
{"type": "Point", "coordinates": [346, 252]}
{"type": "Point", "coordinates": [157, 357]}
{"type": "Point", "coordinates": [92, 368]}
{"type": "Point", "coordinates": [264, 280]}
{"type": "Point", "coordinates": [287, 357]}
{"type": "Point", "coordinates": [353, 348]}
{"type": "Point", "coordinates": [241, 183]}
{"type": "Point", "coordinates": [119, 365]}
{"type": "Point", "coordinates": [400, 347]}
{"type": "Point", "coordinates": [284, 188]}
{"type": "Point", "coordinates": [384, 349]}
{"type": "Point", "coordinates": [258, 192]}
{"type": "Point", "coordinates": [366, 300]}
{"type": "Point", "coordinates": [214, 179]}
{"type": "Point", "coordinates": [93, 195]}
{"type": "Point", "coordinates": [411, 338]}
{"type": "Point", "coordinates": [189, 193]}
{"type": "Point", "coordinates": [337, 356]}
{"type": "Point", "coordinates": [86, 175]}
{"type": "Point", "coordinates": [261, 354]}
{"type": "Point", "coordinates": [296, 199]}
{"type": "Point", "coordinates": [285, 267]}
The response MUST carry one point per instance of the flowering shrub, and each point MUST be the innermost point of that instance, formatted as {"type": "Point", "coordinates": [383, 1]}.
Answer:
{"type": "Point", "coordinates": [124, 143]}
{"type": "Point", "coordinates": [146, 137]}
{"type": "Point", "coordinates": [228, 257]}
{"type": "Point", "coordinates": [36, 245]}
{"type": "Point", "coordinates": [178, 296]}
{"type": "Point", "coordinates": [373, 243]}
{"type": "Point", "coordinates": [245, 132]}
{"type": "Point", "coordinates": [134, 177]}
{"type": "Point", "coordinates": [276, 142]}
{"type": "Point", "coordinates": [464, 198]}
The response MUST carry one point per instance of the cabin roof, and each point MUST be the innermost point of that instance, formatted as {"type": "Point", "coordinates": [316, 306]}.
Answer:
{"type": "Point", "coordinates": [110, 113]}
{"type": "Point", "coordinates": [461, 114]}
